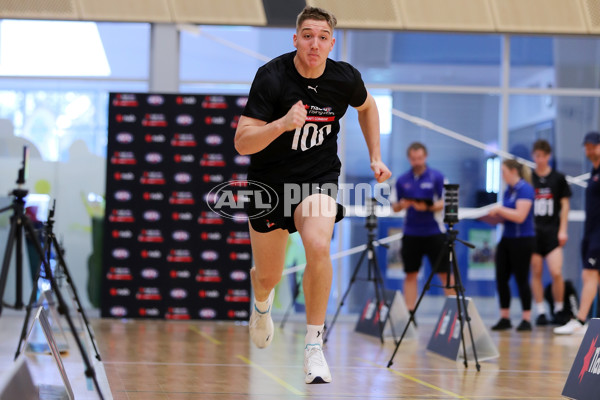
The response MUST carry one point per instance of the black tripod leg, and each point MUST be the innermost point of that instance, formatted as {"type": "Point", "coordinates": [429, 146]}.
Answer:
{"type": "Point", "coordinates": [412, 315]}
{"type": "Point", "coordinates": [352, 279]}
{"type": "Point", "coordinates": [63, 264]}
{"type": "Point", "coordinates": [62, 306]}
{"type": "Point", "coordinates": [6, 263]}
{"type": "Point", "coordinates": [294, 298]}
{"type": "Point", "coordinates": [460, 294]}
{"type": "Point", "coordinates": [380, 296]}
{"type": "Point", "coordinates": [388, 304]}
{"type": "Point", "coordinates": [28, 308]}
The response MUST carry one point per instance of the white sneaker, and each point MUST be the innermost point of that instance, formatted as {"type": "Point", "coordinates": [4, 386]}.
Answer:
{"type": "Point", "coordinates": [570, 328]}
{"type": "Point", "coordinates": [261, 325]}
{"type": "Point", "coordinates": [315, 366]}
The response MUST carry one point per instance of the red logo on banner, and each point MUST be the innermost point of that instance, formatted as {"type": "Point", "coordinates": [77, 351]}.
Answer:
{"type": "Point", "coordinates": [210, 236]}
{"type": "Point", "coordinates": [154, 121]}
{"type": "Point", "coordinates": [154, 196]}
{"type": "Point", "coordinates": [214, 120]}
{"type": "Point", "coordinates": [208, 294]}
{"type": "Point", "coordinates": [187, 100]}
{"type": "Point", "coordinates": [237, 314]}
{"type": "Point", "coordinates": [237, 296]}
{"type": "Point", "coordinates": [234, 122]}
{"type": "Point", "coordinates": [179, 256]}
{"type": "Point", "coordinates": [215, 178]}
{"type": "Point", "coordinates": [118, 311]}
{"type": "Point", "coordinates": [125, 100]}
{"type": "Point", "coordinates": [155, 100]}
{"type": "Point", "coordinates": [183, 140]}
{"type": "Point", "coordinates": [182, 198]}
{"type": "Point", "coordinates": [208, 275]}
{"type": "Point", "coordinates": [121, 216]}
{"type": "Point", "coordinates": [149, 312]}
{"type": "Point", "coordinates": [122, 195]}
{"type": "Point", "coordinates": [124, 137]}
{"type": "Point", "coordinates": [234, 256]}
{"type": "Point", "coordinates": [123, 158]}
{"type": "Point", "coordinates": [177, 313]}
{"type": "Point", "coordinates": [181, 274]}
{"type": "Point", "coordinates": [238, 238]}
{"type": "Point", "coordinates": [124, 176]}
{"type": "Point", "coordinates": [150, 273]}
{"type": "Point", "coordinates": [587, 360]}
{"type": "Point", "coordinates": [151, 254]}
{"type": "Point", "coordinates": [127, 118]}
{"type": "Point", "coordinates": [184, 158]}
{"type": "Point", "coordinates": [119, 292]}
{"type": "Point", "coordinates": [124, 234]}
{"type": "Point", "coordinates": [212, 160]}
{"type": "Point", "coordinates": [210, 218]}
{"type": "Point", "coordinates": [182, 216]}
{"type": "Point", "coordinates": [214, 102]}
{"type": "Point", "coordinates": [150, 236]}
{"type": "Point", "coordinates": [157, 138]}
{"type": "Point", "coordinates": [119, 274]}
{"type": "Point", "coordinates": [148, 293]}
{"type": "Point", "coordinates": [152, 178]}
{"type": "Point", "coordinates": [238, 275]}
{"type": "Point", "coordinates": [207, 313]}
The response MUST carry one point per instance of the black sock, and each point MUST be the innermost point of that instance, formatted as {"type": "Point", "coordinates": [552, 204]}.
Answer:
{"type": "Point", "coordinates": [581, 322]}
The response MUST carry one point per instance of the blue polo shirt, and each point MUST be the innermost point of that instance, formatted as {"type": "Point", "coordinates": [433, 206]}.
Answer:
{"type": "Point", "coordinates": [429, 185]}
{"type": "Point", "coordinates": [592, 203]}
{"type": "Point", "coordinates": [522, 190]}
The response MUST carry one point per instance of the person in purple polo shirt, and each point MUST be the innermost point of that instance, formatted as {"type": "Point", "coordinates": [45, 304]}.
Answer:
{"type": "Point", "coordinates": [514, 251]}
{"type": "Point", "coordinates": [419, 192]}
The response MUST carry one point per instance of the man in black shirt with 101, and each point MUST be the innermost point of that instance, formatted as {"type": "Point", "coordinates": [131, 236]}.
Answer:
{"type": "Point", "coordinates": [289, 127]}
{"type": "Point", "coordinates": [551, 211]}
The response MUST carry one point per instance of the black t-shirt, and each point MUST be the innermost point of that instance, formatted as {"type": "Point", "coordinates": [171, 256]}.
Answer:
{"type": "Point", "coordinates": [592, 203]}
{"type": "Point", "coordinates": [309, 152]}
{"type": "Point", "coordinates": [549, 191]}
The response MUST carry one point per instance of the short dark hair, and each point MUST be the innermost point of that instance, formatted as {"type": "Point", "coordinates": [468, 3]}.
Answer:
{"type": "Point", "coordinates": [414, 146]}
{"type": "Point", "coordinates": [542, 145]}
{"type": "Point", "coordinates": [318, 14]}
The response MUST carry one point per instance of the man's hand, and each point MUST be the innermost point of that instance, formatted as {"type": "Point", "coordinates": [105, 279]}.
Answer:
{"type": "Point", "coordinates": [562, 238]}
{"type": "Point", "coordinates": [295, 117]}
{"type": "Point", "coordinates": [420, 206]}
{"type": "Point", "coordinates": [381, 172]}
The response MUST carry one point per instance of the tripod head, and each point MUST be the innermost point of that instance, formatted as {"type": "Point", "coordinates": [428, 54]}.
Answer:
{"type": "Point", "coordinates": [371, 219]}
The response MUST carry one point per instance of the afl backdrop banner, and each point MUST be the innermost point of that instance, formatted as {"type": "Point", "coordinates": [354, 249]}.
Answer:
{"type": "Point", "coordinates": [167, 253]}
{"type": "Point", "coordinates": [584, 378]}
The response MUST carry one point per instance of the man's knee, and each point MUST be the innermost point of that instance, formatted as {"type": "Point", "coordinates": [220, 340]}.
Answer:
{"type": "Point", "coordinates": [267, 279]}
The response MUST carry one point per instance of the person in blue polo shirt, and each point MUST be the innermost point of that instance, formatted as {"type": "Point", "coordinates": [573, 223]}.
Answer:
{"type": "Point", "coordinates": [419, 192]}
{"type": "Point", "coordinates": [514, 251]}
{"type": "Point", "coordinates": [590, 244]}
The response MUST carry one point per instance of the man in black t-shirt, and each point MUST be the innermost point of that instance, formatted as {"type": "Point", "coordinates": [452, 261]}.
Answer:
{"type": "Point", "coordinates": [551, 211]}
{"type": "Point", "coordinates": [289, 127]}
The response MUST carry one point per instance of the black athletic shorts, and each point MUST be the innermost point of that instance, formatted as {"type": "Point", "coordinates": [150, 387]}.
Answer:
{"type": "Point", "coordinates": [546, 240]}
{"type": "Point", "coordinates": [590, 250]}
{"type": "Point", "coordinates": [415, 247]}
{"type": "Point", "coordinates": [284, 203]}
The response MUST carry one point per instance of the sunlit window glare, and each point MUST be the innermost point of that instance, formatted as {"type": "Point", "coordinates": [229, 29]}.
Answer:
{"type": "Point", "coordinates": [51, 48]}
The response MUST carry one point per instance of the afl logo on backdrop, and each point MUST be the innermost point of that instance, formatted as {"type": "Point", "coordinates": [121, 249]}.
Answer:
{"type": "Point", "coordinates": [149, 273]}
{"type": "Point", "coordinates": [155, 100]}
{"type": "Point", "coordinates": [152, 215]}
{"type": "Point", "coordinates": [184, 119]}
{"type": "Point", "coordinates": [124, 137]}
{"type": "Point", "coordinates": [118, 311]}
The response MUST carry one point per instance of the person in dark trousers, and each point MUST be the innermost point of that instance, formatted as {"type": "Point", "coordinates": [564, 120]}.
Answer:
{"type": "Point", "coordinates": [551, 212]}
{"type": "Point", "coordinates": [420, 192]}
{"type": "Point", "coordinates": [590, 244]}
{"type": "Point", "coordinates": [513, 254]}
{"type": "Point", "coordinates": [289, 127]}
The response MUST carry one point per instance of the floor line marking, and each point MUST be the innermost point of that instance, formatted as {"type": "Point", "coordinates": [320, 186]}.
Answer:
{"type": "Point", "coordinates": [270, 375]}
{"type": "Point", "coordinates": [205, 335]}
{"type": "Point", "coordinates": [412, 378]}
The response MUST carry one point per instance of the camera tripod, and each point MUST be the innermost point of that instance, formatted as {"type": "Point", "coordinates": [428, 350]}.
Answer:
{"type": "Point", "coordinates": [373, 275]}
{"type": "Point", "coordinates": [51, 242]}
{"type": "Point", "coordinates": [461, 303]}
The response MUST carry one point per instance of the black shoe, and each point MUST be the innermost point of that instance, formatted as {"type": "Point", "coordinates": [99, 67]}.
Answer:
{"type": "Point", "coordinates": [562, 317]}
{"type": "Point", "coordinates": [524, 326]}
{"type": "Point", "coordinates": [541, 320]}
{"type": "Point", "coordinates": [502, 325]}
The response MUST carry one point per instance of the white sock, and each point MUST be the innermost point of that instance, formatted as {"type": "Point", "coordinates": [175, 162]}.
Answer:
{"type": "Point", "coordinates": [314, 334]}
{"type": "Point", "coordinates": [558, 306]}
{"type": "Point", "coordinates": [262, 306]}
{"type": "Point", "coordinates": [540, 308]}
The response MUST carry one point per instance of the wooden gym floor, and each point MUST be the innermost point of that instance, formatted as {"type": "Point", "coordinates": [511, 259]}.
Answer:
{"type": "Point", "coordinates": [165, 360]}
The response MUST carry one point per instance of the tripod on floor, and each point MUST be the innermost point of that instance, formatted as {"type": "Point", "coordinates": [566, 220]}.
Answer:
{"type": "Point", "coordinates": [52, 243]}
{"type": "Point", "coordinates": [373, 275]}
{"type": "Point", "coordinates": [451, 217]}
